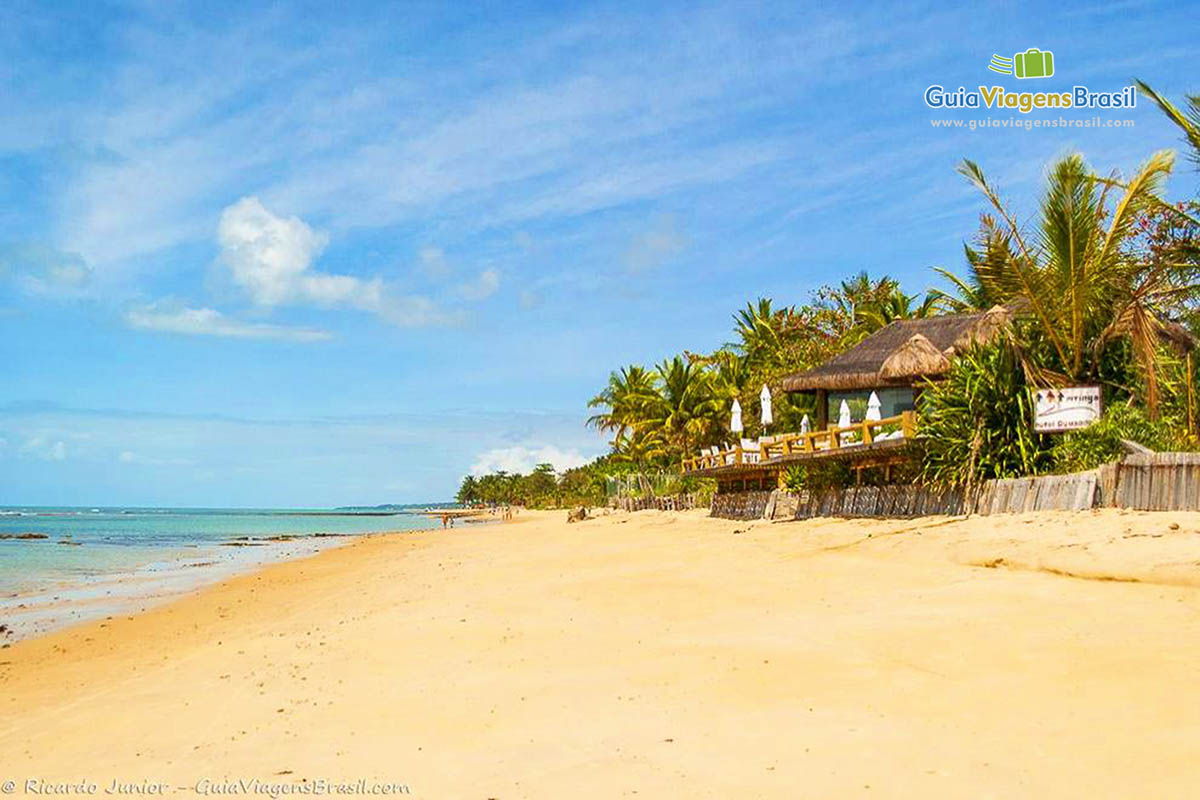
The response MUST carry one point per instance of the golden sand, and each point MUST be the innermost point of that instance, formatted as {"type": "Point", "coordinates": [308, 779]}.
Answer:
{"type": "Point", "coordinates": [667, 655]}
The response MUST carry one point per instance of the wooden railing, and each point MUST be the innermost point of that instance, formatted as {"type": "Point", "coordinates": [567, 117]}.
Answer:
{"type": "Point", "coordinates": [859, 434]}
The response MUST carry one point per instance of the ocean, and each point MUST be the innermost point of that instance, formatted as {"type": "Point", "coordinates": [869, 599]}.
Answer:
{"type": "Point", "coordinates": [63, 565]}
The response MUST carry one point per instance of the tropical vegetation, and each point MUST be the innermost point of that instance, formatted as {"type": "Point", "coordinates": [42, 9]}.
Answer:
{"type": "Point", "coordinates": [1104, 285]}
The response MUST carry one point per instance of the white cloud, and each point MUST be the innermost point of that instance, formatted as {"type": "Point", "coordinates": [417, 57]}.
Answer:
{"type": "Point", "coordinates": [210, 322]}
{"type": "Point", "coordinates": [271, 258]}
{"type": "Point", "coordinates": [524, 459]}
{"type": "Point", "coordinates": [655, 246]}
{"type": "Point", "coordinates": [45, 270]}
{"type": "Point", "coordinates": [483, 287]}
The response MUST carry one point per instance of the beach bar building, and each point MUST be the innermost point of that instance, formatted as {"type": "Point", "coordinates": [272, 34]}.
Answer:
{"type": "Point", "coordinates": [879, 380]}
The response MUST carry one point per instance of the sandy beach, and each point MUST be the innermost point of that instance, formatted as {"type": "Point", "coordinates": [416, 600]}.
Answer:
{"type": "Point", "coordinates": [653, 655]}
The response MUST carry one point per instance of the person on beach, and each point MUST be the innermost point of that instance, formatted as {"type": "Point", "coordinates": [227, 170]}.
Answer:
{"type": "Point", "coordinates": [445, 518]}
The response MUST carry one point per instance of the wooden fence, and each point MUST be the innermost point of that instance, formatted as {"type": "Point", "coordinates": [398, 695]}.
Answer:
{"type": "Point", "coordinates": [1074, 492]}
{"type": "Point", "coordinates": [869, 501]}
{"type": "Point", "coordinates": [1150, 482]}
{"type": "Point", "coordinates": [742, 505]}
{"type": "Point", "coordinates": [677, 502]}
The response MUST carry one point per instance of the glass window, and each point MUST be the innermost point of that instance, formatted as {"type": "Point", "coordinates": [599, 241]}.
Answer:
{"type": "Point", "coordinates": [893, 400]}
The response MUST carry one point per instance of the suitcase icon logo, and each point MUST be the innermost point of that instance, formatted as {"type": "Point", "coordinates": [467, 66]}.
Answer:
{"type": "Point", "coordinates": [1033, 63]}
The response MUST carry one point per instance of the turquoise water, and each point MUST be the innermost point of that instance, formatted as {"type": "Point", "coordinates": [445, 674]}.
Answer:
{"type": "Point", "coordinates": [86, 545]}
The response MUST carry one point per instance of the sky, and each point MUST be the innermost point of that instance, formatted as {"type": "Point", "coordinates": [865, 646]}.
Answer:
{"type": "Point", "coordinates": [307, 255]}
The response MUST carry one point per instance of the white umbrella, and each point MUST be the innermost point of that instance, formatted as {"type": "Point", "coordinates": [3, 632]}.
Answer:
{"type": "Point", "coordinates": [735, 421]}
{"type": "Point", "coordinates": [804, 424]}
{"type": "Point", "coordinates": [765, 398]}
{"type": "Point", "coordinates": [844, 415]}
{"type": "Point", "coordinates": [874, 408]}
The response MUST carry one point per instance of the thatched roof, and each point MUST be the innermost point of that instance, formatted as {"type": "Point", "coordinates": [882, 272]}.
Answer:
{"type": "Point", "coordinates": [917, 356]}
{"type": "Point", "coordinates": [902, 353]}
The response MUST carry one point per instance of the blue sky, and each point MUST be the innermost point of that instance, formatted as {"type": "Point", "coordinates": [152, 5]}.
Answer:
{"type": "Point", "coordinates": [309, 255]}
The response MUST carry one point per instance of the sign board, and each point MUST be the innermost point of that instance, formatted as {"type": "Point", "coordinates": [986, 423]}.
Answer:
{"type": "Point", "coordinates": [1067, 409]}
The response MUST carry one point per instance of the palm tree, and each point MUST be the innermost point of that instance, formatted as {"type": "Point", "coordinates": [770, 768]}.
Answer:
{"type": "Point", "coordinates": [761, 329]}
{"type": "Point", "coordinates": [468, 491]}
{"type": "Point", "coordinates": [1083, 281]}
{"type": "Point", "coordinates": [686, 405]}
{"type": "Point", "coordinates": [865, 304]}
{"type": "Point", "coordinates": [981, 289]}
{"type": "Point", "coordinates": [1187, 121]}
{"type": "Point", "coordinates": [640, 448]}
{"type": "Point", "coordinates": [629, 394]}
{"type": "Point", "coordinates": [879, 312]}
{"type": "Point", "coordinates": [731, 374]}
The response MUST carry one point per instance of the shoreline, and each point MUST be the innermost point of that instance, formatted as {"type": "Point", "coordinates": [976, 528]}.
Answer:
{"type": "Point", "coordinates": [666, 653]}
{"type": "Point", "coordinates": [124, 559]}
{"type": "Point", "coordinates": [40, 610]}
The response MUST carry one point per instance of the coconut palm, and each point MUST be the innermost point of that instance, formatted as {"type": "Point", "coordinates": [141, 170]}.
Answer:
{"type": "Point", "coordinates": [980, 290]}
{"type": "Point", "coordinates": [1078, 274]}
{"type": "Point", "coordinates": [685, 406]}
{"type": "Point", "coordinates": [630, 392]}
{"type": "Point", "coordinates": [761, 330]}
{"type": "Point", "coordinates": [640, 448]}
{"type": "Point", "coordinates": [1187, 121]}
{"type": "Point", "coordinates": [468, 491]}
{"type": "Point", "coordinates": [878, 312]}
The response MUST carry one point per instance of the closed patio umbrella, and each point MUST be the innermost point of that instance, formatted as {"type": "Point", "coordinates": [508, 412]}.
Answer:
{"type": "Point", "coordinates": [735, 419]}
{"type": "Point", "coordinates": [844, 415]}
{"type": "Point", "coordinates": [874, 408]}
{"type": "Point", "coordinates": [805, 426]}
{"type": "Point", "coordinates": [765, 398]}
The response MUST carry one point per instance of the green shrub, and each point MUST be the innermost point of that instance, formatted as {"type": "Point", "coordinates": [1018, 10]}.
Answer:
{"type": "Point", "coordinates": [977, 423]}
{"type": "Point", "coordinates": [1101, 443]}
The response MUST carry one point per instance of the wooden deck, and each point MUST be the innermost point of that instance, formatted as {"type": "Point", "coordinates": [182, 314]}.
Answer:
{"type": "Point", "coordinates": [863, 441]}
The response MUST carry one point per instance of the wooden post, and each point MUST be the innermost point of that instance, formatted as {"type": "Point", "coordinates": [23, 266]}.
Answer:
{"type": "Point", "coordinates": [1191, 407]}
{"type": "Point", "coordinates": [737, 454]}
{"type": "Point", "coordinates": [835, 441]}
{"type": "Point", "coordinates": [908, 423]}
{"type": "Point", "coordinates": [866, 432]}
{"type": "Point", "coordinates": [822, 409]}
